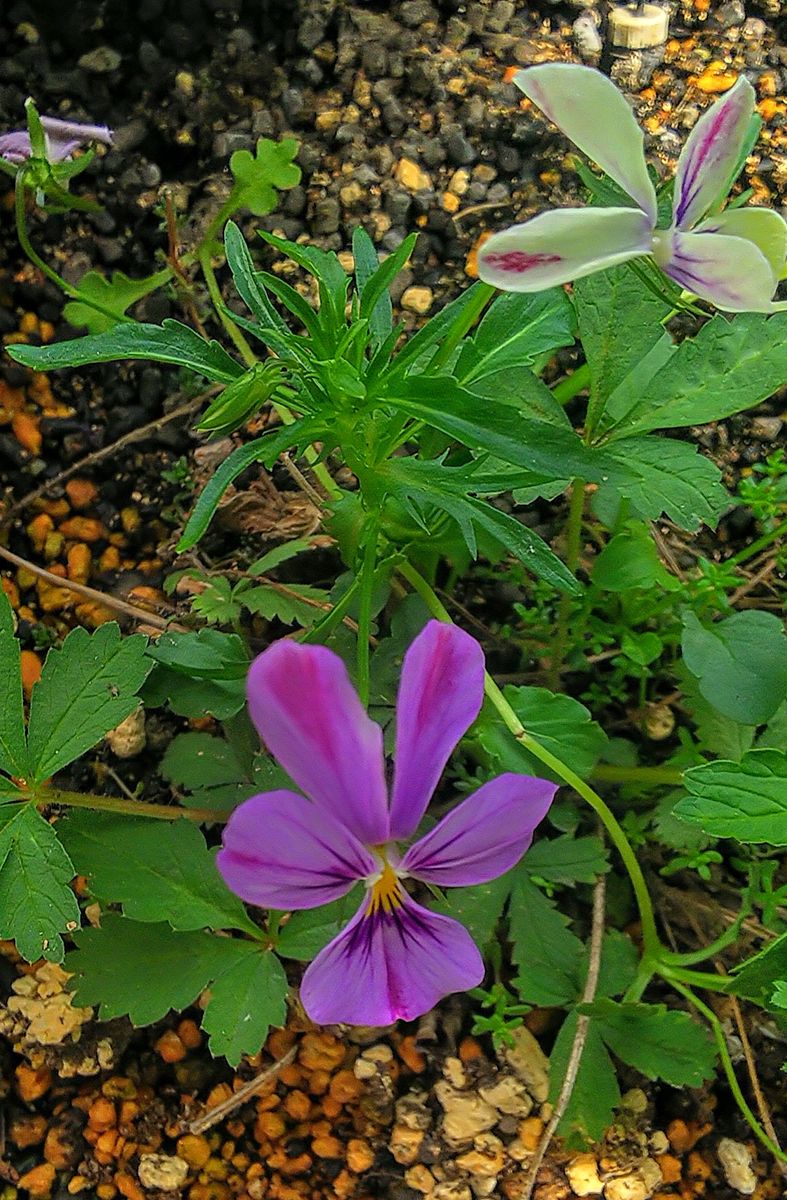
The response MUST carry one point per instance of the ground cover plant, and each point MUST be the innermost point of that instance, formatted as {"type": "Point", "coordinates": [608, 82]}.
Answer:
{"type": "Point", "coordinates": [432, 436]}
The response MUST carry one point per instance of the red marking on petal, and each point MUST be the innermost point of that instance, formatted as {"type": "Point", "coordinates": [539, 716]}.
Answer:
{"type": "Point", "coordinates": [519, 261]}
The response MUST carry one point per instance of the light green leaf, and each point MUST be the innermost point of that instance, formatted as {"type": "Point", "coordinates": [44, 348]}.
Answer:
{"type": "Point", "coordinates": [13, 749]}
{"type": "Point", "coordinates": [755, 978]}
{"type": "Point", "coordinates": [630, 560]}
{"type": "Point", "coordinates": [595, 1094]}
{"type": "Point", "coordinates": [306, 932]}
{"type": "Point", "coordinates": [171, 342]}
{"type": "Point", "coordinates": [779, 997]}
{"type": "Point", "coordinates": [619, 962]}
{"type": "Point", "coordinates": [658, 1042]}
{"type": "Point", "coordinates": [544, 949]}
{"type": "Point", "coordinates": [87, 687]}
{"type": "Point", "coordinates": [746, 800]}
{"type": "Point", "coordinates": [36, 902]}
{"type": "Point", "coordinates": [740, 662]}
{"type": "Point", "coordinates": [560, 723]}
{"type": "Point", "coordinates": [245, 1000]}
{"type": "Point", "coordinates": [278, 555]}
{"type": "Point", "coordinates": [567, 859]}
{"type": "Point", "coordinates": [658, 475]}
{"type": "Point", "coordinates": [291, 607]}
{"type": "Point", "coordinates": [715, 732]}
{"type": "Point", "coordinates": [116, 295]}
{"type": "Point", "coordinates": [164, 873]}
{"type": "Point", "coordinates": [259, 175]}
{"type": "Point", "coordinates": [479, 907]}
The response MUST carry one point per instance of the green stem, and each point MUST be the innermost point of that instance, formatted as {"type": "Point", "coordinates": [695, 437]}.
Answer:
{"type": "Point", "coordinates": [469, 317]}
{"type": "Point", "coordinates": [645, 777]}
{"type": "Point", "coordinates": [729, 1071]}
{"type": "Point", "coordinates": [43, 797]}
{"type": "Point", "coordinates": [651, 942]}
{"type": "Point", "coordinates": [365, 608]}
{"type": "Point", "coordinates": [572, 385]}
{"type": "Point", "coordinates": [760, 544]}
{"type": "Point", "coordinates": [573, 538]}
{"type": "Point", "coordinates": [704, 979]}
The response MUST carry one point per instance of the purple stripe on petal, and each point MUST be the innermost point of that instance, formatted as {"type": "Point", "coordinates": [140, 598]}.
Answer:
{"type": "Point", "coordinates": [440, 695]}
{"type": "Point", "coordinates": [730, 272]}
{"type": "Point", "coordinates": [390, 967]}
{"type": "Point", "coordinates": [310, 718]}
{"type": "Point", "coordinates": [281, 851]}
{"type": "Point", "coordinates": [711, 154]}
{"type": "Point", "coordinates": [485, 835]}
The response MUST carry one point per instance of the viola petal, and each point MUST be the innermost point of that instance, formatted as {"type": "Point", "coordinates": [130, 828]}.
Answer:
{"type": "Point", "coordinates": [441, 690]}
{"type": "Point", "coordinates": [562, 245]}
{"type": "Point", "coordinates": [310, 718]}
{"type": "Point", "coordinates": [388, 967]}
{"type": "Point", "coordinates": [588, 108]}
{"type": "Point", "coordinates": [763, 226]}
{"type": "Point", "coordinates": [711, 154]}
{"type": "Point", "coordinates": [281, 851]}
{"type": "Point", "coordinates": [485, 835]}
{"type": "Point", "coordinates": [729, 272]}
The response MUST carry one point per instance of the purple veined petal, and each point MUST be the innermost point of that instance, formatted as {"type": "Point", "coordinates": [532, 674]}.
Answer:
{"type": "Point", "coordinates": [15, 146]}
{"type": "Point", "coordinates": [766, 228]}
{"type": "Point", "coordinates": [730, 272]}
{"type": "Point", "coordinates": [563, 245]}
{"type": "Point", "coordinates": [485, 835]}
{"type": "Point", "coordinates": [588, 108]}
{"type": "Point", "coordinates": [441, 691]}
{"type": "Point", "coordinates": [310, 718]}
{"type": "Point", "coordinates": [390, 967]}
{"type": "Point", "coordinates": [281, 851]}
{"type": "Point", "coordinates": [711, 154]}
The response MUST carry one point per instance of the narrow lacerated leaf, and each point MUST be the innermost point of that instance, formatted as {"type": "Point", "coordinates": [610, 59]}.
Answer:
{"type": "Point", "coordinates": [516, 330]}
{"type": "Point", "coordinates": [37, 906]}
{"type": "Point", "coordinates": [87, 687]}
{"type": "Point", "coordinates": [745, 800]}
{"type": "Point", "coordinates": [246, 279]}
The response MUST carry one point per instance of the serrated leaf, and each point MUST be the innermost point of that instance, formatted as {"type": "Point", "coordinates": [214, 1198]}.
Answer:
{"type": "Point", "coordinates": [544, 949]}
{"type": "Point", "coordinates": [655, 1040]}
{"type": "Point", "coordinates": [479, 907]}
{"type": "Point", "coordinates": [164, 871]}
{"type": "Point", "coordinates": [13, 748]}
{"type": "Point", "coordinates": [746, 800]}
{"type": "Point", "coordinates": [515, 331]}
{"type": "Point", "coordinates": [560, 723]}
{"type": "Point", "coordinates": [670, 830]}
{"type": "Point", "coordinates": [619, 962]}
{"type": "Point", "coordinates": [291, 607]}
{"type": "Point", "coordinates": [567, 859]}
{"type": "Point", "coordinates": [245, 1001]}
{"type": "Point", "coordinates": [208, 768]}
{"type": "Point", "coordinates": [36, 902]}
{"type": "Point", "coordinates": [740, 662]}
{"type": "Point", "coordinates": [658, 475]}
{"type": "Point", "coordinates": [278, 555]}
{"type": "Point", "coordinates": [306, 932]}
{"type": "Point", "coordinates": [127, 968]}
{"type": "Point", "coordinates": [170, 342]}
{"type": "Point", "coordinates": [755, 978]}
{"type": "Point", "coordinates": [245, 277]}
{"type": "Point", "coordinates": [87, 687]}
{"type": "Point", "coordinates": [436, 329]}
{"type": "Point", "coordinates": [374, 279]}
{"type": "Point", "coordinates": [194, 697]}
{"type": "Point", "coordinates": [116, 295]}
{"type": "Point", "coordinates": [595, 1094]}
{"type": "Point", "coordinates": [259, 175]}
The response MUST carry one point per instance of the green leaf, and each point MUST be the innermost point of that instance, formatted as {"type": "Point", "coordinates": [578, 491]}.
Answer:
{"type": "Point", "coordinates": [628, 391]}
{"type": "Point", "coordinates": [755, 978]}
{"type": "Point", "coordinates": [560, 723]}
{"type": "Point", "coordinates": [479, 907]}
{"type": "Point", "coordinates": [13, 749]}
{"type": "Point", "coordinates": [246, 279]}
{"type": "Point", "coordinates": [595, 1094]}
{"type": "Point", "coordinates": [544, 949]}
{"type": "Point", "coordinates": [567, 859]}
{"type": "Point", "coordinates": [158, 871]}
{"type": "Point", "coordinates": [619, 323]}
{"type": "Point", "coordinates": [746, 800]}
{"type": "Point", "coordinates": [731, 365]}
{"type": "Point", "coordinates": [658, 1042]}
{"type": "Point", "coordinates": [171, 342]}
{"type": "Point", "coordinates": [87, 687]}
{"type": "Point", "coordinates": [619, 961]}
{"type": "Point", "coordinates": [515, 331]}
{"type": "Point", "coordinates": [36, 902]}
{"type": "Point", "coordinates": [436, 330]}
{"type": "Point", "coordinates": [116, 295]}
{"type": "Point", "coordinates": [209, 769]}
{"type": "Point", "coordinates": [740, 662]}
{"type": "Point", "coordinates": [630, 560]}
{"type": "Point", "coordinates": [242, 398]}
{"type": "Point", "coordinates": [278, 555]}
{"type": "Point", "coordinates": [715, 732]}
{"type": "Point", "coordinates": [126, 968]}
{"type": "Point", "coordinates": [305, 933]}
{"type": "Point", "coordinates": [670, 830]}
{"type": "Point", "coordinates": [245, 1001]}
{"type": "Point", "coordinates": [259, 175]}
{"type": "Point", "coordinates": [658, 475]}
{"type": "Point", "coordinates": [291, 607]}
{"type": "Point", "coordinates": [779, 997]}
{"type": "Point", "coordinates": [207, 654]}
{"type": "Point", "coordinates": [374, 280]}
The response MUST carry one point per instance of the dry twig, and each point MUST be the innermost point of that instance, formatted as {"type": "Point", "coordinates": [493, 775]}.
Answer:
{"type": "Point", "coordinates": [214, 1115]}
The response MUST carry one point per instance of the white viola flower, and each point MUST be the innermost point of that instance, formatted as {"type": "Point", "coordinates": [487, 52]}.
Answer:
{"type": "Point", "coordinates": [733, 259]}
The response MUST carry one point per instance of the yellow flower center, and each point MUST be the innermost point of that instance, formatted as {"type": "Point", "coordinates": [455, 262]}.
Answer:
{"type": "Point", "coordinates": [386, 892]}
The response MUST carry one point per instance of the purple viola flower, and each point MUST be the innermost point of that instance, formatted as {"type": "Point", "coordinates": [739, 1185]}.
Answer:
{"type": "Point", "coordinates": [733, 258]}
{"type": "Point", "coordinates": [62, 139]}
{"type": "Point", "coordinates": [395, 959]}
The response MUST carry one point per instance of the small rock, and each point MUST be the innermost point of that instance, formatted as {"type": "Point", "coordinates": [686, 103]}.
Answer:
{"type": "Point", "coordinates": [418, 299]}
{"type": "Point", "coordinates": [587, 38]}
{"type": "Point", "coordinates": [465, 1114]}
{"type": "Point", "coordinates": [162, 1172]}
{"type": "Point", "coordinates": [729, 14]}
{"type": "Point", "coordinates": [508, 1095]}
{"type": "Point", "coordinates": [735, 1159]}
{"type": "Point", "coordinates": [327, 215]}
{"type": "Point", "coordinates": [412, 176]}
{"type": "Point", "coordinates": [638, 1184]}
{"type": "Point", "coordinates": [128, 739]}
{"type": "Point", "coordinates": [582, 1174]}
{"type": "Point", "coordinates": [767, 429]}
{"type": "Point", "coordinates": [100, 61]}
{"type": "Point", "coordinates": [529, 1063]}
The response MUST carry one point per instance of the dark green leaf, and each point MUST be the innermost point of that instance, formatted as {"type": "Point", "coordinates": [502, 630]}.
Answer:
{"type": "Point", "coordinates": [658, 1042]}
{"type": "Point", "coordinates": [516, 329]}
{"type": "Point", "coordinates": [656, 475]}
{"type": "Point", "coordinates": [247, 281]}
{"type": "Point", "coordinates": [560, 723]}
{"type": "Point", "coordinates": [245, 1001]}
{"type": "Point", "coordinates": [13, 749]}
{"type": "Point", "coordinates": [209, 769]}
{"type": "Point", "coordinates": [755, 978]}
{"type": "Point", "coordinates": [36, 902]}
{"type": "Point", "coordinates": [630, 560]}
{"type": "Point", "coordinates": [595, 1094]}
{"type": "Point", "coordinates": [305, 933]}
{"type": "Point", "coordinates": [740, 662]}
{"type": "Point", "coordinates": [374, 279]}
{"type": "Point", "coordinates": [746, 800]}
{"type": "Point", "coordinates": [479, 908]}
{"type": "Point", "coordinates": [567, 859]}
{"type": "Point", "coordinates": [545, 950]}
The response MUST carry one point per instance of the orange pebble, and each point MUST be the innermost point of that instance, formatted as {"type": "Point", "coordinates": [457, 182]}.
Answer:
{"type": "Point", "coordinates": [411, 1056]}
{"type": "Point", "coordinates": [110, 559]}
{"type": "Point", "coordinates": [327, 1147]}
{"type": "Point", "coordinates": [32, 1083]}
{"type": "Point", "coordinates": [83, 529]}
{"type": "Point", "coordinates": [128, 1187]}
{"type": "Point", "coordinates": [78, 562]}
{"type": "Point", "coordinates": [30, 665]}
{"type": "Point", "coordinates": [298, 1105]}
{"type": "Point", "coordinates": [26, 431]}
{"type": "Point", "coordinates": [81, 492]}
{"type": "Point", "coordinates": [469, 1049]}
{"type": "Point", "coordinates": [11, 591]}
{"type": "Point", "coordinates": [39, 1181]}
{"type": "Point", "coordinates": [170, 1048]}
{"type": "Point", "coordinates": [190, 1034]}
{"type": "Point", "coordinates": [670, 1167]}
{"type": "Point", "coordinates": [38, 529]}
{"type": "Point", "coordinates": [101, 1115]}
{"type": "Point", "coordinates": [345, 1087]}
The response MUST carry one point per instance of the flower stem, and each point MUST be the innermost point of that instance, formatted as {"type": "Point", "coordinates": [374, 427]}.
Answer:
{"type": "Point", "coordinates": [235, 335]}
{"type": "Point", "coordinates": [645, 777]}
{"type": "Point", "coordinates": [650, 937]}
{"type": "Point", "coordinates": [572, 385]}
{"type": "Point", "coordinates": [760, 544]}
{"type": "Point", "coordinates": [573, 537]}
{"type": "Point", "coordinates": [469, 317]}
